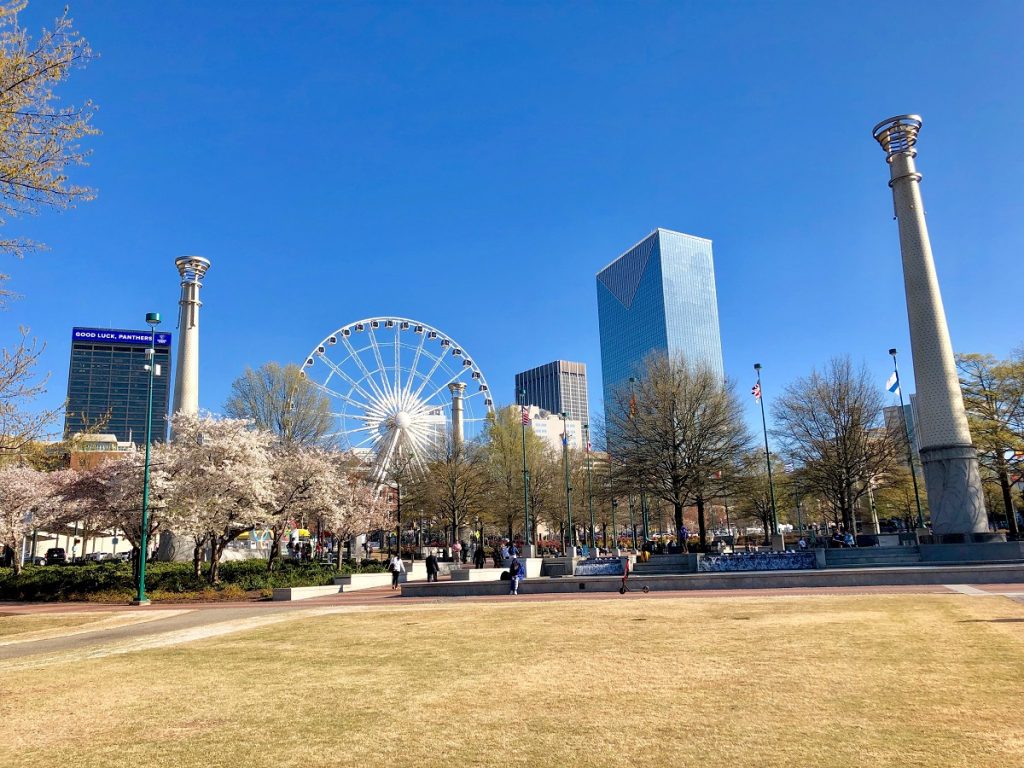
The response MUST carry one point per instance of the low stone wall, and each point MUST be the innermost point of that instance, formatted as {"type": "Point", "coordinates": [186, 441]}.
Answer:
{"type": "Point", "coordinates": [848, 577]}
{"type": "Point", "coordinates": [478, 574]}
{"type": "Point", "coordinates": [304, 593]}
{"type": "Point", "coordinates": [973, 553]}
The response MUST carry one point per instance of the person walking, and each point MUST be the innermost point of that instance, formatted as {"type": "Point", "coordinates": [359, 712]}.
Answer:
{"type": "Point", "coordinates": [456, 553]}
{"type": "Point", "coordinates": [514, 576]}
{"type": "Point", "coordinates": [396, 566]}
{"type": "Point", "coordinates": [432, 567]}
{"type": "Point", "coordinates": [479, 557]}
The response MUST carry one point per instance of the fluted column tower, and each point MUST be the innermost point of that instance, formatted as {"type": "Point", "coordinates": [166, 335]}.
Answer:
{"type": "Point", "coordinates": [948, 457]}
{"type": "Point", "coordinates": [186, 380]}
{"type": "Point", "coordinates": [458, 390]}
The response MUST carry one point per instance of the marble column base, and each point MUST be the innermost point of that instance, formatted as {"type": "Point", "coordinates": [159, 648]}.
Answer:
{"type": "Point", "coordinates": [955, 498]}
{"type": "Point", "coordinates": [174, 548]}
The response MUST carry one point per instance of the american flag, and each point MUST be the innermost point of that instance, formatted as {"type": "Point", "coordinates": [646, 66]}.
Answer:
{"type": "Point", "coordinates": [756, 391]}
{"type": "Point", "coordinates": [526, 416]}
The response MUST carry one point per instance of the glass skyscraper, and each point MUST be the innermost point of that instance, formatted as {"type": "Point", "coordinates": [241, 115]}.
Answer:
{"type": "Point", "coordinates": [558, 387]}
{"type": "Point", "coordinates": [659, 296]}
{"type": "Point", "coordinates": [108, 383]}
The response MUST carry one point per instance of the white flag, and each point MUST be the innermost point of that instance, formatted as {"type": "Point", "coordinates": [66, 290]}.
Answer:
{"type": "Point", "coordinates": [893, 384]}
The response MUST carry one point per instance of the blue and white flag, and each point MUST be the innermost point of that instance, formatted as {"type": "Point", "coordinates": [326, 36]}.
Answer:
{"type": "Point", "coordinates": [893, 384]}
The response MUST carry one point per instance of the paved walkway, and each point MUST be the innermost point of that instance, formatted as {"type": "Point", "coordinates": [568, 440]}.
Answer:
{"type": "Point", "coordinates": [194, 621]}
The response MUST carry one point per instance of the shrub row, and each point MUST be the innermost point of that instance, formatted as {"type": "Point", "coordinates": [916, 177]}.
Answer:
{"type": "Point", "coordinates": [80, 582]}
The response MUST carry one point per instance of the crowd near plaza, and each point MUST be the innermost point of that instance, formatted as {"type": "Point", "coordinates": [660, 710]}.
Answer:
{"type": "Point", "coordinates": [257, 521]}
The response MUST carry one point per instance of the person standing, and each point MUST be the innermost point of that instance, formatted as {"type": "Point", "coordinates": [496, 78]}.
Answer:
{"type": "Point", "coordinates": [396, 567]}
{"type": "Point", "coordinates": [479, 557]}
{"type": "Point", "coordinates": [432, 567]}
{"type": "Point", "coordinates": [456, 553]}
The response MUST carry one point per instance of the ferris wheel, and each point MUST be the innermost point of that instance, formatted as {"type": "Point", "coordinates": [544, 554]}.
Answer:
{"type": "Point", "coordinates": [398, 387]}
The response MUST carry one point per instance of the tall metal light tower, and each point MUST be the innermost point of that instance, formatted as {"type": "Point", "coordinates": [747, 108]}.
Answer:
{"type": "Point", "coordinates": [186, 380]}
{"type": "Point", "coordinates": [948, 458]}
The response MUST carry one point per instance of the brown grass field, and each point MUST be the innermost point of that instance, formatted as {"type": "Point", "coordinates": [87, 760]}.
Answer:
{"type": "Point", "coordinates": [880, 680]}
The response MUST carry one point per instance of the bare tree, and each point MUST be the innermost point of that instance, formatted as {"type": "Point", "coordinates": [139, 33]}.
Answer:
{"type": "Point", "coordinates": [830, 426]}
{"type": "Point", "coordinates": [19, 386]}
{"type": "Point", "coordinates": [281, 400]}
{"type": "Point", "coordinates": [676, 435]}
{"type": "Point", "coordinates": [454, 482]}
{"type": "Point", "coordinates": [753, 492]}
{"type": "Point", "coordinates": [38, 137]}
{"type": "Point", "coordinates": [993, 392]}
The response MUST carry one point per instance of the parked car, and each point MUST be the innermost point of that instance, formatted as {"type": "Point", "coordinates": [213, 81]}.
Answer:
{"type": "Point", "coordinates": [56, 556]}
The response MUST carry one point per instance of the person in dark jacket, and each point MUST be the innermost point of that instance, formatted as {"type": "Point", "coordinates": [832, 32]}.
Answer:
{"type": "Point", "coordinates": [479, 558]}
{"type": "Point", "coordinates": [513, 577]}
{"type": "Point", "coordinates": [432, 567]}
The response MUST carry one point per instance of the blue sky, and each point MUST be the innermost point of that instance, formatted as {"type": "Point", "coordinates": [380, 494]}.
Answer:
{"type": "Point", "coordinates": [472, 165]}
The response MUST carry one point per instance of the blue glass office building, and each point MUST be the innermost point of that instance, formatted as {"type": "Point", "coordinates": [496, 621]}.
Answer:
{"type": "Point", "coordinates": [658, 296]}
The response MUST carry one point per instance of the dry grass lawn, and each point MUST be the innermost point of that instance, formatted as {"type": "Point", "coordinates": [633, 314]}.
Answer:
{"type": "Point", "coordinates": [928, 680]}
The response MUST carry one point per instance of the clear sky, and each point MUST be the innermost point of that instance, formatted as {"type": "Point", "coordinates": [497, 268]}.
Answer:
{"type": "Point", "coordinates": [472, 165]}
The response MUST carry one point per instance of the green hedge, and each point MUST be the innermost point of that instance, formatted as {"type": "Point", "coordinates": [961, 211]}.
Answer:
{"type": "Point", "coordinates": [78, 582]}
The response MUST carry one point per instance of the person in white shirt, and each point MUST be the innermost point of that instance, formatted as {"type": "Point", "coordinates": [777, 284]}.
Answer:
{"type": "Point", "coordinates": [396, 566]}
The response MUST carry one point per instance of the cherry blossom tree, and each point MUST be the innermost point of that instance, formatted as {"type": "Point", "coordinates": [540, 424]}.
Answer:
{"type": "Point", "coordinates": [223, 482]}
{"type": "Point", "coordinates": [122, 483]}
{"type": "Point", "coordinates": [357, 505]}
{"type": "Point", "coordinates": [25, 501]}
{"type": "Point", "coordinates": [304, 482]}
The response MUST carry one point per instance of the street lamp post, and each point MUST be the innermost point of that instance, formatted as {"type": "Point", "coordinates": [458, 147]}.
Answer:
{"type": "Point", "coordinates": [906, 434]}
{"type": "Point", "coordinates": [767, 453]}
{"type": "Point", "coordinates": [571, 530]}
{"type": "Point", "coordinates": [153, 320]}
{"type": "Point", "coordinates": [615, 527]}
{"type": "Point", "coordinates": [590, 490]}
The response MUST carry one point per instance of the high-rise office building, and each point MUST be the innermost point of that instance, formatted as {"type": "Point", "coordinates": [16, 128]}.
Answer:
{"type": "Point", "coordinates": [108, 384]}
{"type": "Point", "coordinates": [659, 296]}
{"type": "Point", "coordinates": [558, 387]}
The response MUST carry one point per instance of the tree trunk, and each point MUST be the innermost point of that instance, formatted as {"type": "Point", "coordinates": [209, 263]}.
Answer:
{"type": "Point", "coordinates": [197, 559]}
{"type": "Point", "coordinates": [678, 506]}
{"type": "Point", "coordinates": [337, 559]}
{"type": "Point", "coordinates": [275, 549]}
{"type": "Point", "coordinates": [16, 557]}
{"type": "Point", "coordinates": [1004, 485]}
{"type": "Point", "coordinates": [702, 528]}
{"type": "Point", "coordinates": [216, 550]}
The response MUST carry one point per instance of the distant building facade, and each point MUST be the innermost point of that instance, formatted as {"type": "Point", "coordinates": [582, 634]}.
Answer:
{"type": "Point", "coordinates": [108, 384]}
{"type": "Point", "coordinates": [659, 296]}
{"type": "Point", "coordinates": [894, 420]}
{"type": "Point", "coordinates": [548, 427]}
{"type": "Point", "coordinates": [558, 387]}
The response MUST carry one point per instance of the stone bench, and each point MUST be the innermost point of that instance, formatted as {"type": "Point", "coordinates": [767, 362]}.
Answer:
{"type": "Point", "coordinates": [304, 593]}
{"type": "Point", "coordinates": [477, 574]}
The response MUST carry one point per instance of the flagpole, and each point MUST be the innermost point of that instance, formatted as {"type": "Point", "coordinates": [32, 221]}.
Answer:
{"type": "Point", "coordinates": [590, 490]}
{"type": "Point", "coordinates": [523, 417]}
{"type": "Point", "coordinates": [906, 433]}
{"type": "Point", "coordinates": [767, 453]}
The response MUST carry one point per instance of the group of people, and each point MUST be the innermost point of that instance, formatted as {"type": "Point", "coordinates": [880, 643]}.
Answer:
{"type": "Point", "coordinates": [506, 553]}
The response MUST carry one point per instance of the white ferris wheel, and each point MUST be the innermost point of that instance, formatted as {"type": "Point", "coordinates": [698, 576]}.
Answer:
{"type": "Point", "coordinates": [398, 387]}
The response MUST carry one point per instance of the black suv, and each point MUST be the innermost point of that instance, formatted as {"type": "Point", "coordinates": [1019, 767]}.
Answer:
{"type": "Point", "coordinates": [56, 556]}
